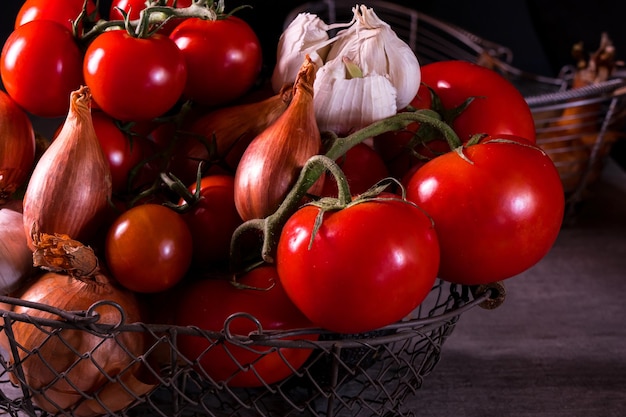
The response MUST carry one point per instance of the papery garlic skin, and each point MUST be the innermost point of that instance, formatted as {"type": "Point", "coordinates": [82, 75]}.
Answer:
{"type": "Point", "coordinates": [343, 105]}
{"type": "Point", "coordinates": [377, 50]}
{"type": "Point", "coordinates": [306, 34]}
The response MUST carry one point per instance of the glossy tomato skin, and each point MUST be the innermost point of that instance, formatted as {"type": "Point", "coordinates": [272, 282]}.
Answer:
{"type": "Point", "coordinates": [362, 166]}
{"type": "Point", "coordinates": [134, 79]}
{"type": "Point", "coordinates": [41, 64]}
{"type": "Point", "coordinates": [223, 58]}
{"type": "Point", "coordinates": [207, 304]}
{"type": "Point", "coordinates": [497, 109]}
{"type": "Point", "coordinates": [212, 221]}
{"type": "Point", "coordinates": [148, 248]}
{"type": "Point", "coordinates": [64, 12]}
{"type": "Point", "coordinates": [495, 216]}
{"type": "Point", "coordinates": [134, 8]}
{"type": "Point", "coordinates": [368, 266]}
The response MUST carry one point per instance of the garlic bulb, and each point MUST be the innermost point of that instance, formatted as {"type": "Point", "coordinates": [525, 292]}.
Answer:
{"type": "Point", "coordinates": [376, 49]}
{"type": "Point", "coordinates": [306, 35]}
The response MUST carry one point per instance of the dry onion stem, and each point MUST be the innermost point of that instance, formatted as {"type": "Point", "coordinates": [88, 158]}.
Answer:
{"type": "Point", "coordinates": [60, 253]}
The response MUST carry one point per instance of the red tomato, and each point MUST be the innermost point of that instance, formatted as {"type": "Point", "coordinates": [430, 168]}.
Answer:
{"type": "Point", "coordinates": [122, 151]}
{"type": "Point", "coordinates": [368, 265]}
{"type": "Point", "coordinates": [134, 8]}
{"type": "Point", "coordinates": [65, 12]}
{"type": "Point", "coordinates": [498, 107]}
{"type": "Point", "coordinates": [208, 303]}
{"type": "Point", "coordinates": [212, 221]}
{"type": "Point", "coordinates": [223, 58]}
{"type": "Point", "coordinates": [134, 79]}
{"type": "Point", "coordinates": [40, 66]}
{"type": "Point", "coordinates": [497, 211]}
{"type": "Point", "coordinates": [362, 166]}
{"type": "Point", "coordinates": [148, 248]}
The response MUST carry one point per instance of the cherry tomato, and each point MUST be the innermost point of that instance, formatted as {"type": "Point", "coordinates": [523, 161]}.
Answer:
{"type": "Point", "coordinates": [362, 166]}
{"type": "Point", "coordinates": [212, 221]}
{"type": "Point", "coordinates": [223, 58]}
{"type": "Point", "coordinates": [134, 8]}
{"type": "Point", "coordinates": [40, 66]}
{"type": "Point", "coordinates": [134, 79]}
{"type": "Point", "coordinates": [123, 152]}
{"type": "Point", "coordinates": [367, 266]}
{"type": "Point", "coordinates": [64, 12]}
{"type": "Point", "coordinates": [497, 210]}
{"type": "Point", "coordinates": [148, 248]}
{"type": "Point", "coordinates": [208, 303]}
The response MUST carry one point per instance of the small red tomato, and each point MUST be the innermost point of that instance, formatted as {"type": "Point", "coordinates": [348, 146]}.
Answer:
{"type": "Point", "coordinates": [148, 248]}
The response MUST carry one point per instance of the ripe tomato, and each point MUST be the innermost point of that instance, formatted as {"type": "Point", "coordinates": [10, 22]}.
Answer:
{"type": "Point", "coordinates": [497, 212]}
{"type": "Point", "coordinates": [134, 79]}
{"type": "Point", "coordinates": [40, 66]}
{"type": "Point", "coordinates": [368, 265]}
{"type": "Point", "coordinates": [223, 58]}
{"type": "Point", "coordinates": [148, 248]}
{"type": "Point", "coordinates": [212, 221]}
{"type": "Point", "coordinates": [362, 166]}
{"type": "Point", "coordinates": [123, 152]}
{"type": "Point", "coordinates": [134, 8]}
{"type": "Point", "coordinates": [64, 12]}
{"type": "Point", "coordinates": [208, 303]}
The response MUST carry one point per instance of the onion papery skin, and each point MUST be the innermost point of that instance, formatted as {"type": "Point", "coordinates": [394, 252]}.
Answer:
{"type": "Point", "coordinates": [73, 353]}
{"type": "Point", "coordinates": [16, 258]}
{"type": "Point", "coordinates": [17, 147]}
{"type": "Point", "coordinates": [70, 186]}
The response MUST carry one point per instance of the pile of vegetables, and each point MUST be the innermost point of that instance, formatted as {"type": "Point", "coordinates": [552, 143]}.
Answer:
{"type": "Point", "coordinates": [331, 196]}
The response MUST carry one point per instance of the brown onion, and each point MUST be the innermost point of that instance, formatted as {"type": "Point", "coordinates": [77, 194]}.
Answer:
{"type": "Point", "coordinates": [16, 258]}
{"type": "Point", "coordinates": [70, 186]}
{"type": "Point", "coordinates": [73, 363]}
{"type": "Point", "coordinates": [17, 147]}
{"type": "Point", "coordinates": [272, 162]}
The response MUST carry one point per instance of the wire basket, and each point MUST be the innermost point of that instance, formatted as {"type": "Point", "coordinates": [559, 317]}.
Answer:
{"type": "Point", "coordinates": [576, 127]}
{"type": "Point", "coordinates": [369, 374]}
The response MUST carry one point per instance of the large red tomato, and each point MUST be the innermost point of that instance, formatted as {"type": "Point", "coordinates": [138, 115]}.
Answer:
{"type": "Point", "coordinates": [65, 12]}
{"type": "Point", "coordinates": [208, 303]}
{"type": "Point", "coordinates": [367, 265]}
{"type": "Point", "coordinates": [497, 208]}
{"type": "Point", "coordinates": [148, 248]}
{"type": "Point", "coordinates": [223, 58]}
{"type": "Point", "coordinates": [212, 220]}
{"type": "Point", "coordinates": [134, 79]}
{"type": "Point", "coordinates": [41, 64]}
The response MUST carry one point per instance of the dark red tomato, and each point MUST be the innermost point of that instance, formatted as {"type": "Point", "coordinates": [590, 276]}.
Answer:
{"type": "Point", "coordinates": [362, 166]}
{"type": "Point", "coordinates": [212, 221]}
{"type": "Point", "coordinates": [208, 303]}
{"type": "Point", "coordinates": [122, 151]}
{"type": "Point", "coordinates": [148, 248]}
{"type": "Point", "coordinates": [65, 12]}
{"type": "Point", "coordinates": [134, 79]}
{"type": "Point", "coordinates": [498, 107]}
{"type": "Point", "coordinates": [41, 65]}
{"type": "Point", "coordinates": [223, 58]}
{"type": "Point", "coordinates": [368, 265]}
{"type": "Point", "coordinates": [134, 8]}
{"type": "Point", "coordinates": [497, 211]}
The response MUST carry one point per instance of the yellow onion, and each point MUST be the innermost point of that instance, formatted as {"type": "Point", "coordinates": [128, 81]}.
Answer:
{"type": "Point", "coordinates": [70, 186]}
{"type": "Point", "coordinates": [72, 364]}
{"type": "Point", "coordinates": [272, 162]}
{"type": "Point", "coordinates": [17, 147]}
{"type": "Point", "coordinates": [16, 258]}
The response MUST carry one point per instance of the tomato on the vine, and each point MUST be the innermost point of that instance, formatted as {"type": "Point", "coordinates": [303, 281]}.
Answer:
{"type": "Point", "coordinates": [208, 304]}
{"type": "Point", "coordinates": [148, 248]}
{"type": "Point", "coordinates": [41, 64]}
{"type": "Point", "coordinates": [223, 58]}
{"type": "Point", "coordinates": [212, 220]}
{"type": "Point", "coordinates": [497, 208]}
{"type": "Point", "coordinates": [134, 79]}
{"type": "Point", "coordinates": [64, 12]}
{"type": "Point", "coordinates": [134, 8]}
{"type": "Point", "coordinates": [367, 266]}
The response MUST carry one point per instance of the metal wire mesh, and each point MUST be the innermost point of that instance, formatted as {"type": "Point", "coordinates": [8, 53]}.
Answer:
{"type": "Point", "coordinates": [368, 374]}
